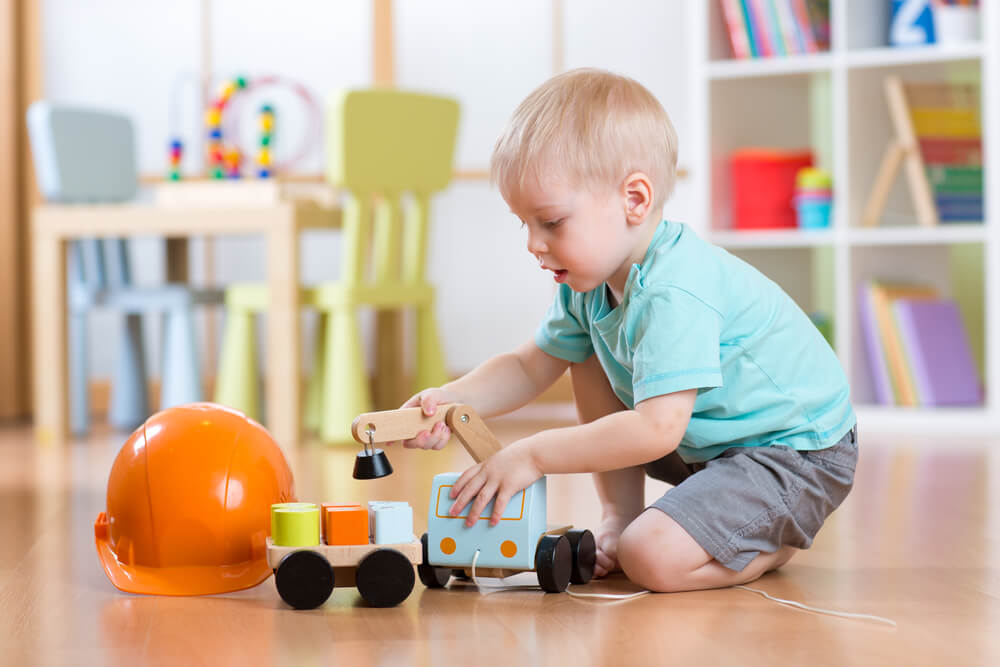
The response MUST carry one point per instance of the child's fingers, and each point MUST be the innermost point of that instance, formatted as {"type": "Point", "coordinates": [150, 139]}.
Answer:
{"type": "Point", "coordinates": [603, 564]}
{"type": "Point", "coordinates": [465, 488]}
{"type": "Point", "coordinates": [442, 435]}
{"type": "Point", "coordinates": [483, 499]}
{"type": "Point", "coordinates": [429, 404]}
{"type": "Point", "coordinates": [499, 506]}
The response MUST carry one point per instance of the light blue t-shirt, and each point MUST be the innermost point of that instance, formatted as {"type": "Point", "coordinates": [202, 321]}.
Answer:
{"type": "Point", "coordinates": [693, 316]}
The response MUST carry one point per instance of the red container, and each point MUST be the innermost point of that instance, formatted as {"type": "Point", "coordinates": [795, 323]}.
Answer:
{"type": "Point", "coordinates": [763, 189]}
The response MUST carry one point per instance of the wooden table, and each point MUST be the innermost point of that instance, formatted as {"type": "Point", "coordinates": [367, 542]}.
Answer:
{"type": "Point", "coordinates": [53, 226]}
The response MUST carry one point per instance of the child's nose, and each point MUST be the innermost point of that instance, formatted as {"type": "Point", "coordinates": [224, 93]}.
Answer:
{"type": "Point", "coordinates": [535, 245]}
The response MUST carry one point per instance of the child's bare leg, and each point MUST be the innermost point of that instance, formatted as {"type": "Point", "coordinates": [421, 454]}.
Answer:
{"type": "Point", "coordinates": [657, 553]}
{"type": "Point", "coordinates": [620, 491]}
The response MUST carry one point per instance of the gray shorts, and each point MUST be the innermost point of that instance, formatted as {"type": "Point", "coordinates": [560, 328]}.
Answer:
{"type": "Point", "coordinates": [751, 500]}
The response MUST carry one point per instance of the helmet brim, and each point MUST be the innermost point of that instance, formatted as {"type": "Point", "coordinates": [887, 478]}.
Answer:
{"type": "Point", "coordinates": [178, 580]}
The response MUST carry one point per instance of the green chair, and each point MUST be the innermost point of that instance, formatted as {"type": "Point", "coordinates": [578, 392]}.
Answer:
{"type": "Point", "coordinates": [388, 151]}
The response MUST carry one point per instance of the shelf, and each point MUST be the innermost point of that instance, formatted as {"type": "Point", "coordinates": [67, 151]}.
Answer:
{"type": "Point", "coordinates": [772, 238]}
{"type": "Point", "coordinates": [920, 420]}
{"type": "Point", "coordinates": [917, 55]}
{"type": "Point", "coordinates": [856, 59]}
{"type": "Point", "coordinates": [773, 66]}
{"type": "Point", "coordinates": [913, 235]}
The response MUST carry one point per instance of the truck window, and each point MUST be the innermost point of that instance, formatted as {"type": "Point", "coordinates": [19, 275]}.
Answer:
{"type": "Point", "coordinates": [513, 512]}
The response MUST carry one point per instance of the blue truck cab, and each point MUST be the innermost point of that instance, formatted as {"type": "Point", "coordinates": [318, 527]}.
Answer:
{"type": "Point", "coordinates": [510, 544]}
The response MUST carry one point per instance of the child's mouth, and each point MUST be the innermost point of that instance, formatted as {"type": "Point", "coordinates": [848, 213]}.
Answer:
{"type": "Point", "coordinates": [560, 275]}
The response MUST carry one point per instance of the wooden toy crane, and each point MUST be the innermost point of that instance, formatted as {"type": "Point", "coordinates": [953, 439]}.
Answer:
{"type": "Point", "coordinates": [522, 541]}
{"type": "Point", "coordinates": [306, 567]}
{"type": "Point", "coordinates": [391, 425]}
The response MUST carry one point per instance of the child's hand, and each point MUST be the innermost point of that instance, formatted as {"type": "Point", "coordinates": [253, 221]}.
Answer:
{"type": "Point", "coordinates": [510, 470]}
{"type": "Point", "coordinates": [607, 545]}
{"type": "Point", "coordinates": [429, 400]}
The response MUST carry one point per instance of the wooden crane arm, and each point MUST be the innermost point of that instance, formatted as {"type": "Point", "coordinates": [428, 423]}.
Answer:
{"type": "Point", "coordinates": [391, 425]}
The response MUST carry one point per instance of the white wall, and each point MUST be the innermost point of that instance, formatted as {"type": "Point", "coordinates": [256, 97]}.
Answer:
{"type": "Point", "coordinates": [142, 56]}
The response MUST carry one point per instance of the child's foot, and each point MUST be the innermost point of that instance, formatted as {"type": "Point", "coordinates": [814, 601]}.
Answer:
{"type": "Point", "coordinates": [607, 545]}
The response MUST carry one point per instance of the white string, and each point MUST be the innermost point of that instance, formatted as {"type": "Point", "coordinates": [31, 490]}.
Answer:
{"type": "Point", "coordinates": [609, 596]}
{"type": "Point", "coordinates": [818, 610]}
{"type": "Point", "coordinates": [630, 596]}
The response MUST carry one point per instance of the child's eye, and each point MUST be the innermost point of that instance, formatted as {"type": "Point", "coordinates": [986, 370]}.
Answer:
{"type": "Point", "coordinates": [552, 223]}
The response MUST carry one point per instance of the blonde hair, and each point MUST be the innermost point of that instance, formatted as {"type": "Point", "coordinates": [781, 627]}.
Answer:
{"type": "Point", "coordinates": [592, 126]}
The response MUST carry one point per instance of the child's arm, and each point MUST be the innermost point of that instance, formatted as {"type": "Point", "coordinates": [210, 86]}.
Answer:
{"type": "Point", "coordinates": [619, 440]}
{"type": "Point", "coordinates": [498, 385]}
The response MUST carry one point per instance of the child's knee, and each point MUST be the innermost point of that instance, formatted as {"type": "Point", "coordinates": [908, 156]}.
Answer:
{"type": "Point", "coordinates": [656, 553]}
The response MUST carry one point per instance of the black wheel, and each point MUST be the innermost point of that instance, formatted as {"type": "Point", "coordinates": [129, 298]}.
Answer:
{"type": "Point", "coordinates": [384, 578]}
{"type": "Point", "coordinates": [553, 562]}
{"type": "Point", "coordinates": [304, 579]}
{"type": "Point", "coordinates": [584, 555]}
{"type": "Point", "coordinates": [430, 576]}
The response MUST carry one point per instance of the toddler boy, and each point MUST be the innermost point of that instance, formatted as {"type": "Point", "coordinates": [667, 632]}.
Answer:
{"type": "Point", "coordinates": [687, 364]}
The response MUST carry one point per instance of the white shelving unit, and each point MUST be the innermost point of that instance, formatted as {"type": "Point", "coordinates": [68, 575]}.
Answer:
{"type": "Point", "coordinates": [834, 103]}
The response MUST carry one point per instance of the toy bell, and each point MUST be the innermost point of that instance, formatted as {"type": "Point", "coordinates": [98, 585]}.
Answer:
{"type": "Point", "coordinates": [371, 463]}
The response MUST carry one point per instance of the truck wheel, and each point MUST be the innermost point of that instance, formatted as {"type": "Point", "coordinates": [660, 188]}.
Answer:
{"type": "Point", "coordinates": [384, 578]}
{"type": "Point", "coordinates": [304, 579]}
{"type": "Point", "coordinates": [553, 562]}
{"type": "Point", "coordinates": [584, 555]}
{"type": "Point", "coordinates": [430, 576]}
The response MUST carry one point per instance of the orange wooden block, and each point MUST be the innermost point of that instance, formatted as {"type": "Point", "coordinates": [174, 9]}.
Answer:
{"type": "Point", "coordinates": [345, 524]}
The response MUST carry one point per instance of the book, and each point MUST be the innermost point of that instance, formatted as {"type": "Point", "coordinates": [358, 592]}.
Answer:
{"type": "Point", "coordinates": [803, 27]}
{"type": "Point", "coordinates": [789, 32]}
{"type": "Point", "coordinates": [751, 29]}
{"type": "Point", "coordinates": [881, 384]}
{"type": "Point", "coordinates": [781, 48]}
{"type": "Point", "coordinates": [758, 17]}
{"type": "Point", "coordinates": [937, 350]}
{"type": "Point", "coordinates": [882, 295]}
{"type": "Point", "coordinates": [951, 150]}
{"type": "Point", "coordinates": [819, 22]}
{"type": "Point", "coordinates": [739, 41]}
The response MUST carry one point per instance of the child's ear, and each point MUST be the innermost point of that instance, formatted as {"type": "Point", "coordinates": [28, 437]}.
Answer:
{"type": "Point", "coordinates": [638, 197]}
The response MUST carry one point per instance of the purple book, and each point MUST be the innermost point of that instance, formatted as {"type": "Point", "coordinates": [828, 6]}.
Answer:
{"type": "Point", "coordinates": [937, 351]}
{"type": "Point", "coordinates": [873, 343]}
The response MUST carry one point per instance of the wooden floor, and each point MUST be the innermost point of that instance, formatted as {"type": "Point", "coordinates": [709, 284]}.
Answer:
{"type": "Point", "coordinates": [917, 541]}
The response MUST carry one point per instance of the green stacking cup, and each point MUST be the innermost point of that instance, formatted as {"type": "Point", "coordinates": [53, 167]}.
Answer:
{"type": "Point", "coordinates": [295, 524]}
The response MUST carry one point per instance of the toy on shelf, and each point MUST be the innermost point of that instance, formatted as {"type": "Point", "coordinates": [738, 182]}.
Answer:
{"type": "Point", "coordinates": [938, 135]}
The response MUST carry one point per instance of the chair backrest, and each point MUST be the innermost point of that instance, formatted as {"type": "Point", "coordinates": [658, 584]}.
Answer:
{"type": "Point", "coordinates": [389, 150]}
{"type": "Point", "coordinates": [86, 156]}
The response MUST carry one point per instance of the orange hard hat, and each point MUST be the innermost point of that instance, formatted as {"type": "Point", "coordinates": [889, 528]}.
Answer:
{"type": "Point", "coordinates": [189, 501]}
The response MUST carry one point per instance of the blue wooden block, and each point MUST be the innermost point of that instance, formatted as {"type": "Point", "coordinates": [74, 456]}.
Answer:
{"type": "Point", "coordinates": [390, 522]}
{"type": "Point", "coordinates": [510, 544]}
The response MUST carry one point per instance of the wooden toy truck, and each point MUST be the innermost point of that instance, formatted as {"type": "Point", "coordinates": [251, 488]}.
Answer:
{"type": "Point", "coordinates": [383, 573]}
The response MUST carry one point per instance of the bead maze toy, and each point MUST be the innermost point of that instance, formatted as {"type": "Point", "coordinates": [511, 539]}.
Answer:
{"type": "Point", "coordinates": [224, 159]}
{"type": "Point", "coordinates": [307, 569]}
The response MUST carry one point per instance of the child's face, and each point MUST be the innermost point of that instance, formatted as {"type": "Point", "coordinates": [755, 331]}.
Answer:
{"type": "Point", "coordinates": [579, 234]}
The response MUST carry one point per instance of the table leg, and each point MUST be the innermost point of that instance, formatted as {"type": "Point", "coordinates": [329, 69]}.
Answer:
{"type": "Point", "coordinates": [283, 331]}
{"type": "Point", "coordinates": [390, 388]}
{"type": "Point", "coordinates": [48, 320]}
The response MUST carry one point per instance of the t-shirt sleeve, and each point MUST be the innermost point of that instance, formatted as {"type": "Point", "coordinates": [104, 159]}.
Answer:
{"type": "Point", "coordinates": [562, 333]}
{"type": "Point", "coordinates": [676, 345]}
